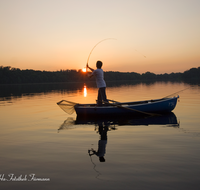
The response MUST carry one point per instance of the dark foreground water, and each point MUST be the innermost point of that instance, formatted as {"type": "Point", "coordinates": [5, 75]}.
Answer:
{"type": "Point", "coordinates": [42, 147]}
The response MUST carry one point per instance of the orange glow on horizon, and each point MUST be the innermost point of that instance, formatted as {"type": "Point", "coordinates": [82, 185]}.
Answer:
{"type": "Point", "coordinates": [84, 70]}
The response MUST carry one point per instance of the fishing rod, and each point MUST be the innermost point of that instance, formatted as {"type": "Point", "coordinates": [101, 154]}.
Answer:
{"type": "Point", "coordinates": [96, 46]}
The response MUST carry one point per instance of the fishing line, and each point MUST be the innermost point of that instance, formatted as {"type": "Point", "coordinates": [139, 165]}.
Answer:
{"type": "Point", "coordinates": [141, 53]}
{"type": "Point", "coordinates": [98, 44]}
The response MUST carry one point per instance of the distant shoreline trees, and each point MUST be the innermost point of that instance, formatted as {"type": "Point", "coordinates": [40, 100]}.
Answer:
{"type": "Point", "coordinates": [9, 75]}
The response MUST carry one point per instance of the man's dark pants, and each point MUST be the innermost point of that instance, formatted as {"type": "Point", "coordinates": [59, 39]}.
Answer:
{"type": "Point", "coordinates": [101, 96]}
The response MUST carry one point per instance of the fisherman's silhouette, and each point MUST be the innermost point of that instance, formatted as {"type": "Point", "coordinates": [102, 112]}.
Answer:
{"type": "Point", "coordinates": [102, 130]}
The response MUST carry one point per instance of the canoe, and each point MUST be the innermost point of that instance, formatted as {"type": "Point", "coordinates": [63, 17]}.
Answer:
{"type": "Point", "coordinates": [156, 106]}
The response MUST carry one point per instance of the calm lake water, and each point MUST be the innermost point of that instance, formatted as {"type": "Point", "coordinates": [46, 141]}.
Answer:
{"type": "Point", "coordinates": [42, 147]}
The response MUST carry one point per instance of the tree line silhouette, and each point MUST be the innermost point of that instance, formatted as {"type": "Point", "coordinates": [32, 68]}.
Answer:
{"type": "Point", "coordinates": [9, 75]}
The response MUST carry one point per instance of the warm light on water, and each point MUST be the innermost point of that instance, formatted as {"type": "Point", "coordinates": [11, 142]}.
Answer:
{"type": "Point", "coordinates": [85, 91]}
{"type": "Point", "coordinates": [137, 156]}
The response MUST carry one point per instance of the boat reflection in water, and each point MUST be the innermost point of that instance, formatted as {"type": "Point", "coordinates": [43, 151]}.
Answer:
{"type": "Point", "coordinates": [168, 119]}
{"type": "Point", "coordinates": [105, 124]}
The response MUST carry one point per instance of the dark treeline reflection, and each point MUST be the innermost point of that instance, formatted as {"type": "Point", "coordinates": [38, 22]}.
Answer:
{"type": "Point", "coordinates": [30, 89]}
{"type": "Point", "coordinates": [19, 90]}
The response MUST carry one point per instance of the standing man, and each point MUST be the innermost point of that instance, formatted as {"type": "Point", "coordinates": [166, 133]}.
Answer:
{"type": "Point", "coordinates": [99, 75]}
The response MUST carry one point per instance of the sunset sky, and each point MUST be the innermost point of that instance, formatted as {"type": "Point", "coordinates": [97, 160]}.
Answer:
{"type": "Point", "coordinates": [160, 36]}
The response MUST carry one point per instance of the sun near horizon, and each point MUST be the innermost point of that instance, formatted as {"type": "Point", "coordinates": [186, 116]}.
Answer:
{"type": "Point", "coordinates": [84, 70]}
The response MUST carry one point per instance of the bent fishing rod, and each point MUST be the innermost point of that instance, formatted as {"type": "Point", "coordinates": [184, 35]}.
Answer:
{"type": "Point", "coordinates": [96, 46]}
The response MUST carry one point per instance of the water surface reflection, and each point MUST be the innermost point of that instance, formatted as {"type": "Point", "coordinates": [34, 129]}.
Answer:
{"type": "Point", "coordinates": [140, 153]}
{"type": "Point", "coordinates": [104, 124]}
{"type": "Point", "coordinates": [168, 119]}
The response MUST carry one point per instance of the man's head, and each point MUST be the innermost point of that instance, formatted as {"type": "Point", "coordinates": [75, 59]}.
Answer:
{"type": "Point", "coordinates": [99, 64]}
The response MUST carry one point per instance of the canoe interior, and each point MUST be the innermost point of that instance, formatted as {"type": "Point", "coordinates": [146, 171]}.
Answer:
{"type": "Point", "coordinates": [126, 103]}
